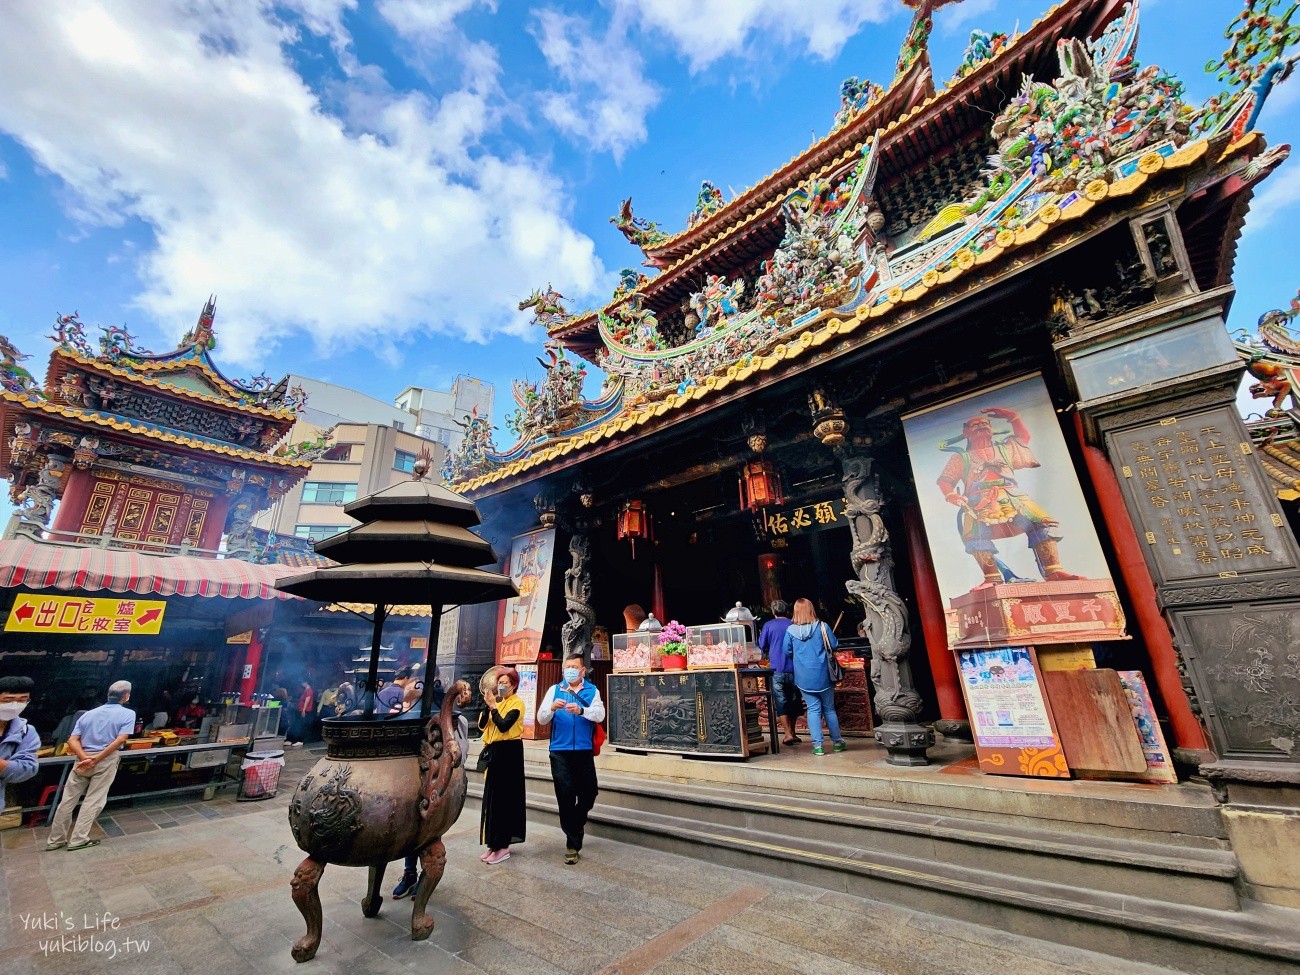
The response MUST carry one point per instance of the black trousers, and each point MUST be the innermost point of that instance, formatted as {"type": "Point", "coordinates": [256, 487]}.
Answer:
{"type": "Point", "coordinates": [574, 777]}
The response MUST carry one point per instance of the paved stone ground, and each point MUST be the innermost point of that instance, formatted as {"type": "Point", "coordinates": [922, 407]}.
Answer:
{"type": "Point", "coordinates": [198, 887]}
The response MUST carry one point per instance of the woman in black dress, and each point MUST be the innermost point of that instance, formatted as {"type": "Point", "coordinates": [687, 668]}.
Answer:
{"type": "Point", "coordinates": [504, 813]}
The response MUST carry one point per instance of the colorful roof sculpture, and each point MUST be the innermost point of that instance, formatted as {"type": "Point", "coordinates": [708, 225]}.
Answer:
{"type": "Point", "coordinates": [1103, 133]}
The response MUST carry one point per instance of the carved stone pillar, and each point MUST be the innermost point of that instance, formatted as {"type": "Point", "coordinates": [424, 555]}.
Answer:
{"type": "Point", "coordinates": [872, 557]}
{"type": "Point", "coordinates": [575, 635]}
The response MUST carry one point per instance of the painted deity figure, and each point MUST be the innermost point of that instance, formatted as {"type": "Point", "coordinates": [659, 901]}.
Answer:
{"type": "Point", "coordinates": [855, 95]}
{"type": "Point", "coordinates": [979, 479]}
{"type": "Point", "coordinates": [718, 300]}
{"type": "Point", "coordinates": [707, 203]}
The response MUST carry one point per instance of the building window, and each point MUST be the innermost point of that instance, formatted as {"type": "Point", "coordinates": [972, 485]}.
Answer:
{"type": "Point", "coordinates": [399, 425]}
{"type": "Point", "coordinates": [316, 533]}
{"type": "Point", "coordinates": [328, 492]}
{"type": "Point", "coordinates": [404, 461]}
{"type": "Point", "coordinates": [340, 451]}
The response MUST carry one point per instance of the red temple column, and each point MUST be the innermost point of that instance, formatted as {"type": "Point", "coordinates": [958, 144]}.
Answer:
{"type": "Point", "coordinates": [934, 623]}
{"type": "Point", "coordinates": [657, 597]}
{"type": "Point", "coordinates": [72, 509]}
{"type": "Point", "coordinates": [252, 664]}
{"type": "Point", "coordinates": [1186, 728]}
{"type": "Point", "coordinates": [214, 524]}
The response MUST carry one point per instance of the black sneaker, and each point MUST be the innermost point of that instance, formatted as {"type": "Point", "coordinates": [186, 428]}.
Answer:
{"type": "Point", "coordinates": [406, 887]}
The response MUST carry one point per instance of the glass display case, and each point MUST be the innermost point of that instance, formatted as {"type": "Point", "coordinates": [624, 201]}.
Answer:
{"type": "Point", "coordinates": [720, 645]}
{"type": "Point", "coordinates": [636, 651]}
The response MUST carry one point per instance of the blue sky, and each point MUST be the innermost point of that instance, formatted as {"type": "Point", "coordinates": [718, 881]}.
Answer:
{"type": "Point", "coordinates": [370, 186]}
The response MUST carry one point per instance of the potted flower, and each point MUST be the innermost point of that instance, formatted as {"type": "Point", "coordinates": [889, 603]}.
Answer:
{"type": "Point", "coordinates": [672, 646]}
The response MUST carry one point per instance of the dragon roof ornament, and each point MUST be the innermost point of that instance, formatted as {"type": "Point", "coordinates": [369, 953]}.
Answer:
{"type": "Point", "coordinates": [1254, 63]}
{"type": "Point", "coordinates": [642, 233]}
{"type": "Point", "coordinates": [1272, 357]}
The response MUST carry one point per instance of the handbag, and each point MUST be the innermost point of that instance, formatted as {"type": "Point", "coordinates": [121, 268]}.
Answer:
{"type": "Point", "coordinates": [484, 759]}
{"type": "Point", "coordinates": [598, 737]}
{"type": "Point", "coordinates": [833, 668]}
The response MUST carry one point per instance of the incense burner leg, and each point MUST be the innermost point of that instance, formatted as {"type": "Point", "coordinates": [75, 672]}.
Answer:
{"type": "Point", "coordinates": [371, 903]}
{"type": "Point", "coordinates": [305, 881]}
{"type": "Point", "coordinates": [433, 859]}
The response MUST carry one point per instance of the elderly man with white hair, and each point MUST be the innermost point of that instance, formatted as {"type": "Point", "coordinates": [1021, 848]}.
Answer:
{"type": "Point", "coordinates": [96, 740]}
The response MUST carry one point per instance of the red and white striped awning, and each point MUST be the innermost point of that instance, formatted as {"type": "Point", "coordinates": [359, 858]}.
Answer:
{"type": "Point", "coordinates": [40, 565]}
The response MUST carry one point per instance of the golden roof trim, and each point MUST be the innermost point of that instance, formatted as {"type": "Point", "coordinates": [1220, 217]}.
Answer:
{"type": "Point", "coordinates": [126, 426]}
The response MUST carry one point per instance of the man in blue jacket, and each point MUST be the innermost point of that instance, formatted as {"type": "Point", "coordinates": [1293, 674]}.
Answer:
{"type": "Point", "coordinates": [575, 708]}
{"type": "Point", "coordinates": [19, 741]}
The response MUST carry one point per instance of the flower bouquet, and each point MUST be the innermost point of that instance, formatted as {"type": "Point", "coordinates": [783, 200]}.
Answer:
{"type": "Point", "coordinates": [672, 646]}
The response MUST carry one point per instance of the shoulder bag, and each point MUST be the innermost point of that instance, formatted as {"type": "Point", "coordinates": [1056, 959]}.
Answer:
{"type": "Point", "coordinates": [833, 668]}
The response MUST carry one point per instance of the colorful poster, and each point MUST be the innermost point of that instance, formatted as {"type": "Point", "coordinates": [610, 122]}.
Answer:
{"type": "Point", "coordinates": [1006, 702]}
{"type": "Point", "coordinates": [1013, 544]}
{"type": "Point", "coordinates": [1009, 714]}
{"type": "Point", "coordinates": [522, 619]}
{"type": "Point", "coordinates": [528, 694]}
{"type": "Point", "coordinates": [1160, 766]}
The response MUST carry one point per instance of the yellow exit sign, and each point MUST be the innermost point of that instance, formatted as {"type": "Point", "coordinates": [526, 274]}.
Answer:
{"type": "Point", "coordinates": [34, 613]}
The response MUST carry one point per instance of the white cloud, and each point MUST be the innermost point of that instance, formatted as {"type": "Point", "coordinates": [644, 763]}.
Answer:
{"type": "Point", "coordinates": [192, 119]}
{"type": "Point", "coordinates": [707, 30]}
{"type": "Point", "coordinates": [1280, 191]}
{"type": "Point", "coordinates": [426, 21]}
{"type": "Point", "coordinates": [608, 96]}
{"type": "Point", "coordinates": [962, 15]}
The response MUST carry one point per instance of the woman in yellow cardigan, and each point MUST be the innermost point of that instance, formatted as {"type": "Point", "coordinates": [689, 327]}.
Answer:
{"type": "Point", "coordinates": [504, 812]}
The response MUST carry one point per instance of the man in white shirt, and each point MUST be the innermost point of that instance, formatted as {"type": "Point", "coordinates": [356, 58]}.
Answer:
{"type": "Point", "coordinates": [96, 739]}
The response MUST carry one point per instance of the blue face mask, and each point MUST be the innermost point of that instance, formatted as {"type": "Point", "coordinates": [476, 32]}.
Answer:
{"type": "Point", "coordinates": [571, 675]}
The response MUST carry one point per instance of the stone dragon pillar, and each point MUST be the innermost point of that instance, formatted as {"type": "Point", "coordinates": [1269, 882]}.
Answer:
{"type": "Point", "coordinates": [575, 634]}
{"type": "Point", "coordinates": [885, 625]}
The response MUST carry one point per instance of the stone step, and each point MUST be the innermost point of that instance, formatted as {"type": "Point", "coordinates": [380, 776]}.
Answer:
{"type": "Point", "coordinates": [1204, 878]}
{"type": "Point", "coordinates": [1181, 815]}
{"type": "Point", "coordinates": [1256, 940]}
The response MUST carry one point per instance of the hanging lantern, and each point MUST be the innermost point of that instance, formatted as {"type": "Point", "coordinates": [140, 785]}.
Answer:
{"type": "Point", "coordinates": [634, 523]}
{"type": "Point", "coordinates": [760, 485]}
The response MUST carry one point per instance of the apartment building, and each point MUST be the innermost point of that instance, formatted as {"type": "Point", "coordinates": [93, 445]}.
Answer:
{"type": "Point", "coordinates": [438, 413]}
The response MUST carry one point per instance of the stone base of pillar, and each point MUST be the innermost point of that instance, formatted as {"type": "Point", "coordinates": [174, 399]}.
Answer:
{"type": "Point", "coordinates": [954, 730]}
{"type": "Point", "coordinates": [906, 743]}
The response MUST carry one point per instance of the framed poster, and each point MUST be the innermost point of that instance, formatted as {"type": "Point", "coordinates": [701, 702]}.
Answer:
{"type": "Point", "coordinates": [1009, 714]}
{"type": "Point", "coordinates": [1160, 766]}
{"type": "Point", "coordinates": [523, 616]}
{"type": "Point", "coordinates": [1012, 540]}
{"type": "Point", "coordinates": [528, 694]}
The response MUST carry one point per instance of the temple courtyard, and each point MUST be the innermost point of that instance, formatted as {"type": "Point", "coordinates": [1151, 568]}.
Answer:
{"type": "Point", "coordinates": [203, 887]}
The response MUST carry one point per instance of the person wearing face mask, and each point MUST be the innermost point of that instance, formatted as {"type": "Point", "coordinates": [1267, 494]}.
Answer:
{"type": "Point", "coordinates": [96, 739]}
{"type": "Point", "coordinates": [575, 708]}
{"type": "Point", "coordinates": [19, 741]}
{"type": "Point", "coordinates": [504, 813]}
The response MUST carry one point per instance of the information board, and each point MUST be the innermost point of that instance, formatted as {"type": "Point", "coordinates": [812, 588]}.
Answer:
{"type": "Point", "coordinates": [1009, 714]}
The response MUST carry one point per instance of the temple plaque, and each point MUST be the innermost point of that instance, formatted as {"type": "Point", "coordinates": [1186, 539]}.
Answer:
{"type": "Point", "coordinates": [1199, 498]}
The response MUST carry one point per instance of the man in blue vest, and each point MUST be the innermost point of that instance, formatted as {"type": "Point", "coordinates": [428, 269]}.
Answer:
{"type": "Point", "coordinates": [575, 707]}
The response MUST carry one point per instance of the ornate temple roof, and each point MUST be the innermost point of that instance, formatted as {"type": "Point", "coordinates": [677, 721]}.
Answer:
{"type": "Point", "coordinates": [876, 320]}
{"type": "Point", "coordinates": [909, 122]}
{"type": "Point", "coordinates": [1079, 135]}
{"type": "Point", "coordinates": [109, 421]}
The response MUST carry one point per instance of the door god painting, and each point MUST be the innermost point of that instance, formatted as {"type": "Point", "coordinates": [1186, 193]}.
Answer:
{"type": "Point", "coordinates": [1009, 531]}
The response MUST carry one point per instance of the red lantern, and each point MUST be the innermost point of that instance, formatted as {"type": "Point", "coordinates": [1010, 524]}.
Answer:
{"type": "Point", "coordinates": [760, 485]}
{"type": "Point", "coordinates": [634, 523]}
